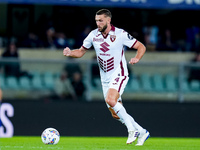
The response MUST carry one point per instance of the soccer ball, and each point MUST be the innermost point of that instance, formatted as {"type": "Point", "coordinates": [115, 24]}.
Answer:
{"type": "Point", "coordinates": [50, 136]}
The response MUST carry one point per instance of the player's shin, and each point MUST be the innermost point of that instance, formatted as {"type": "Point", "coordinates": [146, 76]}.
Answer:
{"type": "Point", "coordinates": [121, 112]}
{"type": "Point", "coordinates": [121, 120]}
{"type": "Point", "coordinates": [136, 125]}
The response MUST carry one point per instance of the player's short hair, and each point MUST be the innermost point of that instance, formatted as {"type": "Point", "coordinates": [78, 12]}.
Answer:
{"type": "Point", "coordinates": [105, 12]}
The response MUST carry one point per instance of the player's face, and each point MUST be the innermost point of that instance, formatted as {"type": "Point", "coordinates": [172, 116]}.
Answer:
{"type": "Point", "coordinates": [102, 22]}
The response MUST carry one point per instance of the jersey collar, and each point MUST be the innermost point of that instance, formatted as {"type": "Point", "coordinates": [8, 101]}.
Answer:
{"type": "Point", "coordinates": [111, 32]}
{"type": "Point", "coordinates": [112, 28]}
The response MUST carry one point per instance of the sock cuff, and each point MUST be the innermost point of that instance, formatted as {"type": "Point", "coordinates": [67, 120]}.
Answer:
{"type": "Point", "coordinates": [117, 107]}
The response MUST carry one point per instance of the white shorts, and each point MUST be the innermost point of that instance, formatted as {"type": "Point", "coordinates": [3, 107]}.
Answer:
{"type": "Point", "coordinates": [118, 83]}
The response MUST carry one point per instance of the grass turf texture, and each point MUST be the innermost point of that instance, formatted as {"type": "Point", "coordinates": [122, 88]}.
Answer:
{"type": "Point", "coordinates": [98, 143]}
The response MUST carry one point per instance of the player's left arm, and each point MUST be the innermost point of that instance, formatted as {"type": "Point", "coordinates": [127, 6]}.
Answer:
{"type": "Point", "coordinates": [141, 49]}
{"type": "Point", "coordinates": [0, 95]}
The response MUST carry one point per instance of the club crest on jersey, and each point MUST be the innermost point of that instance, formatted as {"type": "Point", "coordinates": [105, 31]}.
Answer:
{"type": "Point", "coordinates": [112, 38]}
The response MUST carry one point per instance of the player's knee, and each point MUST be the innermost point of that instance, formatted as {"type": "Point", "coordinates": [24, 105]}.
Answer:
{"type": "Point", "coordinates": [110, 101]}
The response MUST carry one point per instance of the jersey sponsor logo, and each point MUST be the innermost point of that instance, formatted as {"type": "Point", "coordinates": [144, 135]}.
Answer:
{"type": "Point", "coordinates": [104, 54]}
{"type": "Point", "coordinates": [106, 65]}
{"type": "Point", "coordinates": [112, 38]}
{"type": "Point", "coordinates": [98, 39]}
{"type": "Point", "coordinates": [104, 46]}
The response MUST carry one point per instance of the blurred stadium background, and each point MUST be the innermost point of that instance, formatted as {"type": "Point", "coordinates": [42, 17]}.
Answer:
{"type": "Point", "coordinates": [165, 84]}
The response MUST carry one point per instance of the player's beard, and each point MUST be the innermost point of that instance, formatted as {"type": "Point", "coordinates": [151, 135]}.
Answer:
{"type": "Point", "coordinates": [104, 28]}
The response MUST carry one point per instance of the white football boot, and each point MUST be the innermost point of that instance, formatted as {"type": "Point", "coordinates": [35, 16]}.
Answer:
{"type": "Point", "coordinates": [142, 138]}
{"type": "Point", "coordinates": [132, 135]}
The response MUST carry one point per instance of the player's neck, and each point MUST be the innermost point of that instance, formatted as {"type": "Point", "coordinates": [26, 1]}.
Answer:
{"type": "Point", "coordinates": [107, 30]}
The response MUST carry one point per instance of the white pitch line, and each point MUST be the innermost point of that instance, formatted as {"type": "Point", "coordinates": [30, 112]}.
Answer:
{"type": "Point", "coordinates": [32, 147]}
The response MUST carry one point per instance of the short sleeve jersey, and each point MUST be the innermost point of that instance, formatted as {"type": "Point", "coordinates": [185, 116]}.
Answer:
{"type": "Point", "coordinates": [110, 51]}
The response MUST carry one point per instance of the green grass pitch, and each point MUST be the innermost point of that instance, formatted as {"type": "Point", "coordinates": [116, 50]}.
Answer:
{"type": "Point", "coordinates": [98, 143]}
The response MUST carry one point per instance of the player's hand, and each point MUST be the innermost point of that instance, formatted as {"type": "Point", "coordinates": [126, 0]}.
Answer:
{"type": "Point", "coordinates": [67, 51]}
{"type": "Point", "coordinates": [133, 61]}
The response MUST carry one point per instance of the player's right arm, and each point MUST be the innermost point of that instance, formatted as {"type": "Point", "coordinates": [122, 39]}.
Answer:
{"type": "Point", "coordinates": [76, 53]}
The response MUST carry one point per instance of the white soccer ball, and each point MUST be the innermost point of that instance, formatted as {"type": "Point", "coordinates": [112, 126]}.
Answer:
{"type": "Point", "coordinates": [50, 136]}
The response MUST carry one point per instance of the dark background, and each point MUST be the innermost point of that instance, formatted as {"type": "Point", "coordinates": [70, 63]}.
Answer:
{"type": "Point", "coordinates": [162, 119]}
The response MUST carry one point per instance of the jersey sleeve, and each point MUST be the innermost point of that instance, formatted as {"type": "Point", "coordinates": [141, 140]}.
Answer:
{"type": "Point", "coordinates": [128, 40]}
{"type": "Point", "coordinates": [87, 43]}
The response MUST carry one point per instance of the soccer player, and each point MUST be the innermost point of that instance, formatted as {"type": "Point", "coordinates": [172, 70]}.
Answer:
{"type": "Point", "coordinates": [108, 42]}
